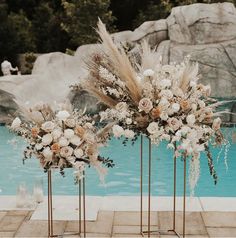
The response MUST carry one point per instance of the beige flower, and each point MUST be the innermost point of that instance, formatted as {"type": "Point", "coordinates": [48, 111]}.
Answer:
{"type": "Point", "coordinates": [191, 119]}
{"type": "Point", "coordinates": [145, 104]}
{"type": "Point", "coordinates": [47, 139]}
{"type": "Point", "coordinates": [34, 131]}
{"type": "Point", "coordinates": [16, 123]}
{"type": "Point", "coordinates": [70, 122]}
{"type": "Point", "coordinates": [216, 124]}
{"type": "Point", "coordinates": [156, 112]}
{"type": "Point", "coordinates": [185, 105]}
{"type": "Point", "coordinates": [80, 131]}
{"type": "Point", "coordinates": [153, 128]}
{"type": "Point", "coordinates": [174, 123]}
{"type": "Point", "coordinates": [117, 130]}
{"type": "Point", "coordinates": [75, 140]}
{"type": "Point", "coordinates": [48, 126]}
{"type": "Point", "coordinates": [69, 133]}
{"type": "Point", "coordinates": [66, 151]}
{"type": "Point", "coordinates": [78, 153]}
{"type": "Point", "coordinates": [55, 147]}
{"type": "Point", "coordinates": [121, 106]}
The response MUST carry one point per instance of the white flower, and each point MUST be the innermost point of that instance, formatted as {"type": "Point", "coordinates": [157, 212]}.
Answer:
{"type": "Point", "coordinates": [191, 119]}
{"type": "Point", "coordinates": [69, 133]}
{"type": "Point", "coordinates": [71, 159]}
{"type": "Point", "coordinates": [48, 126]}
{"type": "Point", "coordinates": [56, 134]}
{"type": "Point", "coordinates": [164, 102]}
{"type": "Point", "coordinates": [164, 116]}
{"type": "Point", "coordinates": [38, 146]}
{"type": "Point", "coordinates": [174, 123]}
{"type": "Point", "coordinates": [193, 84]}
{"type": "Point", "coordinates": [47, 153]}
{"type": "Point", "coordinates": [66, 151]}
{"type": "Point", "coordinates": [70, 122]}
{"type": "Point", "coordinates": [121, 106]}
{"type": "Point", "coordinates": [75, 140]}
{"type": "Point", "coordinates": [47, 139]}
{"type": "Point", "coordinates": [165, 83]}
{"type": "Point", "coordinates": [63, 141]}
{"type": "Point", "coordinates": [216, 124]}
{"type": "Point", "coordinates": [194, 106]}
{"type": "Point", "coordinates": [207, 90]}
{"type": "Point", "coordinates": [128, 121]}
{"type": "Point", "coordinates": [129, 134]}
{"type": "Point", "coordinates": [166, 93]}
{"type": "Point", "coordinates": [201, 104]}
{"type": "Point", "coordinates": [89, 138]}
{"type": "Point", "coordinates": [62, 115]}
{"type": "Point", "coordinates": [16, 123]}
{"type": "Point", "coordinates": [175, 107]}
{"type": "Point", "coordinates": [148, 73]}
{"type": "Point", "coordinates": [145, 104]}
{"type": "Point", "coordinates": [153, 128]}
{"type": "Point", "coordinates": [185, 130]}
{"type": "Point", "coordinates": [117, 130]}
{"type": "Point", "coordinates": [78, 153]}
{"type": "Point", "coordinates": [185, 144]}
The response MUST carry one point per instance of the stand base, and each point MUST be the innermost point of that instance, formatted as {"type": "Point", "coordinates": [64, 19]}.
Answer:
{"type": "Point", "coordinates": [66, 234]}
{"type": "Point", "coordinates": [161, 232]}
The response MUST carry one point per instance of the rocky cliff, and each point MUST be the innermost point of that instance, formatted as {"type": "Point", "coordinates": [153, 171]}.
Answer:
{"type": "Point", "coordinates": [206, 32]}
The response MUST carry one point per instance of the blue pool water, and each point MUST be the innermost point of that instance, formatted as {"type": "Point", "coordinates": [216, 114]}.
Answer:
{"type": "Point", "coordinates": [121, 180]}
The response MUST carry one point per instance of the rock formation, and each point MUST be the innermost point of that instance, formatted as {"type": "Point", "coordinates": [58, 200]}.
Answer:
{"type": "Point", "coordinates": [206, 32]}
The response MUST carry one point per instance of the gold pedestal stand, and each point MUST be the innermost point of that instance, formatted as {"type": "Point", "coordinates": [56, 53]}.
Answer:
{"type": "Point", "coordinates": [148, 232]}
{"type": "Point", "coordinates": [81, 209]}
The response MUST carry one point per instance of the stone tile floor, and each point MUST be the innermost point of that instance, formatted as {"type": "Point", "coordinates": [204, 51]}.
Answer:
{"type": "Point", "coordinates": [122, 224]}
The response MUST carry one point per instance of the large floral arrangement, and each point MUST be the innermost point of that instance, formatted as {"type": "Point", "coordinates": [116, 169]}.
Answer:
{"type": "Point", "coordinates": [163, 102]}
{"type": "Point", "coordinates": [62, 138]}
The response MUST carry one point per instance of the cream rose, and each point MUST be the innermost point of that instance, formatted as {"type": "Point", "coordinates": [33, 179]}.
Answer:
{"type": "Point", "coordinates": [63, 141]}
{"type": "Point", "coordinates": [56, 134]}
{"type": "Point", "coordinates": [145, 104]}
{"type": "Point", "coordinates": [75, 140]}
{"type": "Point", "coordinates": [121, 106]}
{"type": "Point", "coordinates": [175, 107]}
{"type": "Point", "coordinates": [47, 153]}
{"type": "Point", "coordinates": [70, 122]}
{"type": "Point", "coordinates": [174, 123]}
{"type": "Point", "coordinates": [69, 133]}
{"type": "Point", "coordinates": [66, 151]}
{"type": "Point", "coordinates": [165, 83]}
{"type": "Point", "coordinates": [216, 124]}
{"type": "Point", "coordinates": [48, 126]}
{"type": "Point", "coordinates": [117, 130]}
{"type": "Point", "coordinates": [78, 153]}
{"type": "Point", "coordinates": [129, 134]}
{"type": "Point", "coordinates": [153, 128]}
{"type": "Point", "coordinates": [47, 139]}
{"type": "Point", "coordinates": [148, 73]}
{"type": "Point", "coordinates": [62, 115]}
{"type": "Point", "coordinates": [191, 119]}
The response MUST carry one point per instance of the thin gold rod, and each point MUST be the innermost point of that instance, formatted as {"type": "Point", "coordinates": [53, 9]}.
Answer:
{"type": "Point", "coordinates": [49, 215]}
{"type": "Point", "coordinates": [79, 206]}
{"type": "Point", "coordinates": [149, 187]}
{"type": "Point", "coordinates": [184, 198]}
{"type": "Point", "coordinates": [141, 185]}
{"type": "Point", "coordinates": [84, 205]}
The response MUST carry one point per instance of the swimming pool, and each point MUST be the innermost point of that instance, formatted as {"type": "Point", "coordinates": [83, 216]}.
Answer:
{"type": "Point", "coordinates": [123, 179]}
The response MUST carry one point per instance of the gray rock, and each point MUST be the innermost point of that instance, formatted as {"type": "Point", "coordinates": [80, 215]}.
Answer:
{"type": "Point", "coordinates": [202, 23]}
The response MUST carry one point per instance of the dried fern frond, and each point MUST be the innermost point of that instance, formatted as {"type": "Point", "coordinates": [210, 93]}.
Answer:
{"type": "Point", "coordinates": [190, 73]}
{"type": "Point", "coordinates": [120, 62]}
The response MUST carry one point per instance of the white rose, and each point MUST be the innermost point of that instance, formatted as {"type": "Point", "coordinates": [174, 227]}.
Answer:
{"type": "Point", "coordinates": [164, 102]}
{"type": "Point", "coordinates": [47, 153]}
{"type": "Point", "coordinates": [153, 128]}
{"type": "Point", "coordinates": [191, 119]}
{"type": "Point", "coordinates": [66, 151]}
{"type": "Point", "coordinates": [89, 138]}
{"type": "Point", "coordinates": [78, 153]}
{"type": "Point", "coordinates": [48, 126]}
{"type": "Point", "coordinates": [145, 104]}
{"type": "Point", "coordinates": [165, 83]}
{"type": "Point", "coordinates": [62, 115]}
{"type": "Point", "coordinates": [71, 159]}
{"type": "Point", "coordinates": [63, 141]}
{"type": "Point", "coordinates": [16, 123]}
{"type": "Point", "coordinates": [201, 104]}
{"type": "Point", "coordinates": [174, 123]}
{"type": "Point", "coordinates": [175, 107]}
{"type": "Point", "coordinates": [38, 146]}
{"type": "Point", "coordinates": [216, 124]}
{"type": "Point", "coordinates": [166, 93]}
{"type": "Point", "coordinates": [164, 116]}
{"type": "Point", "coordinates": [121, 106]}
{"type": "Point", "coordinates": [185, 144]}
{"type": "Point", "coordinates": [129, 134]}
{"type": "Point", "coordinates": [128, 121]}
{"type": "Point", "coordinates": [148, 73]}
{"type": "Point", "coordinates": [75, 140]}
{"type": "Point", "coordinates": [117, 130]}
{"type": "Point", "coordinates": [194, 107]}
{"type": "Point", "coordinates": [69, 133]}
{"type": "Point", "coordinates": [56, 134]}
{"type": "Point", "coordinates": [47, 139]}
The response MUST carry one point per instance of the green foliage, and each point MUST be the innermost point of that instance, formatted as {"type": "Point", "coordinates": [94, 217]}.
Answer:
{"type": "Point", "coordinates": [81, 18]}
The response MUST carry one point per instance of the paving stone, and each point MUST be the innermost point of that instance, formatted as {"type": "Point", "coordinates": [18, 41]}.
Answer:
{"type": "Point", "coordinates": [39, 229]}
{"type": "Point", "coordinates": [18, 213]}
{"type": "Point", "coordinates": [100, 227]}
{"type": "Point", "coordinates": [130, 229]}
{"type": "Point", "coordinates": [105, 216]}
{"type": "Point", "coordinates": [7, 234]}
{"type": "Point", "coordinates": [11, 223]}
{"type": "Point", "coordinates": [2, 214]}
{"type": "Point", "coordinates": [219, 219]}
{"type": "Point", "coordinates": [194, 222]}
{"type": "Point", "coordinates": [221, 232]}
{"type": "Point", "coordinates": [133, 218]}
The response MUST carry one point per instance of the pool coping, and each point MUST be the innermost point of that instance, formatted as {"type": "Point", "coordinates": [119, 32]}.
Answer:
{"type": "Point", "coordinates": [66, 207]}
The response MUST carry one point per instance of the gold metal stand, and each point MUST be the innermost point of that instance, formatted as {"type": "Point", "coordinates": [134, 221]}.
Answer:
{"type": "Point", "coordinates": [50, 209]}
{"type": "Point", "coordinates": [149, 231]}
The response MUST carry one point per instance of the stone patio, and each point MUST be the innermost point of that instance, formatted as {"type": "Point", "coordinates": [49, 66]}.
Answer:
{"type": "Point", "coordinates": [122, 224]}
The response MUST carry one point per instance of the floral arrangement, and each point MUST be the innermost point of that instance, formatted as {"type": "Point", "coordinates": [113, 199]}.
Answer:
{"type": "Point", "coordinates": [62, 138]}
{"type": "Point", "coordinates": [163, 102]}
